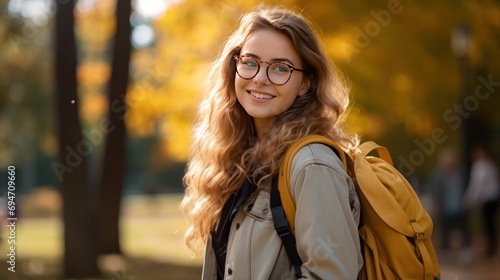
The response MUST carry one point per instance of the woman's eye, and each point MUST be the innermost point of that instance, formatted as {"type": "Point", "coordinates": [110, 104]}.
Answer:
{"type": "Point", "coordinates": [249, 63]}
{"type": "Point", "coordinates": [281, 68]}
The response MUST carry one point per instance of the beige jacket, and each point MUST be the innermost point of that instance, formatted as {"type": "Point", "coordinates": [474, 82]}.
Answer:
{"type": "Point", "coordinates": [325, 228]}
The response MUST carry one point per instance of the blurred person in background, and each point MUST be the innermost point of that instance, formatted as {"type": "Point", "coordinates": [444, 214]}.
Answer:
{"type": "Point", "coordinates": [483, 193]}
{"type": "Point", "coordinates": [447, 189]}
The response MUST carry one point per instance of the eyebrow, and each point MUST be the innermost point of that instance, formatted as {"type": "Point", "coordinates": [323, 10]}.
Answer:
{"type": "Point", "coordinates": [272, 60]}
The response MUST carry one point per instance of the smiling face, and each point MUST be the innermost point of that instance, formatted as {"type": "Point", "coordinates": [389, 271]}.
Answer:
{"type": "Point", "coordinates": [260, 98]}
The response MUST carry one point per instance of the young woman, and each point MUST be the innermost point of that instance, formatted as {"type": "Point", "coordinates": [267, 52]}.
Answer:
{"type": "Point", "coordinates": [271, 85]}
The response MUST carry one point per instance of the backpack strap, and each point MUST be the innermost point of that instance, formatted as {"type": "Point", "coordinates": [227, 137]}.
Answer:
{"type": "Point", "coordinates": [284, 221]}
{"type": "Point", "coordinates": [285, 169]}
{"type": "Point", "coordinates": [383, 153]}
{"type": "Point", "coordinates": [282, 228]}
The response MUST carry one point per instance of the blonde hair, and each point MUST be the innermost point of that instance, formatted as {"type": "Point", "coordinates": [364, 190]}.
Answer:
{"type": "Point", "coordinates": [225, 150]}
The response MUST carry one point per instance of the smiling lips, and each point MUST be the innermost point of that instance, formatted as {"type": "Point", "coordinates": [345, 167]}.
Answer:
{"type": "Point", "coordinates": [260, 95]}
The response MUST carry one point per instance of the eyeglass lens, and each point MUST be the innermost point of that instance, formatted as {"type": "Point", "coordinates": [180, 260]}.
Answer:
{"type": "Point", "coordinates": [277, 72]}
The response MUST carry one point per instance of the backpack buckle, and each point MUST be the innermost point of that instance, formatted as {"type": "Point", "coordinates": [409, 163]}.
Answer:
{"type": "Point", "coordinates": [280, 223]}
{"type": "Point", "coordinates": [283, 231]}
{"type": "Point", "coordinates": [419, 236]}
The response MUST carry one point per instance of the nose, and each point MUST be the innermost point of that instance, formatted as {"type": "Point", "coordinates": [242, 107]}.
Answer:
{"type": "Point", "coordinates": [261, 77]}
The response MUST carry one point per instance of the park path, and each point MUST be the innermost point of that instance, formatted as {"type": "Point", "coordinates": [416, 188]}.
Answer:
{"type": "Point", "coordinates": [477, 268]}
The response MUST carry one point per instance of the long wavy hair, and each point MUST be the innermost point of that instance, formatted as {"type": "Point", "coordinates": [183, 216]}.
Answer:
{"type": "Point", "coordinates": [225, 149]}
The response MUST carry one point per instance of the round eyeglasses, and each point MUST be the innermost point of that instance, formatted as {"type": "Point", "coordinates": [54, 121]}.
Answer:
{"type": "Point", "coordinates": [278, 73]}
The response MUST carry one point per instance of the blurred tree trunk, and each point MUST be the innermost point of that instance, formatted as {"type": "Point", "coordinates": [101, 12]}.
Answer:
{"type": "Point", "coordinates": [113, 164]}
{"type": "Point", "coordinates": [80, 254]}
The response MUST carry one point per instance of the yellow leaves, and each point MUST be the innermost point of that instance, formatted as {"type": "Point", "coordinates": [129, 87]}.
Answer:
{"type": "Point", "coordinates": [401, 83]}
{"type": "Point", "coordinates": [204, 33]}
{"type": "Point", "coordinates": [95, 25]}
{"type": "Point", "coordinates": [164, 101]}
{"type": "Point", "coordinates": [95, 8]}
{"type": "Point", "coordinates": [92, 76]}
{"type": "Point", "coordinates": [175, 132]}
{"type": "Point", "coordinates": [369, 125]}
{"type": "Point", "coordinates": [199, 36]}
{"type": "Point", "coordinates": [170, 78]}
{"type": "Point", "coordinates": [94, 107]}
{"type": "Point", "coordinates": [419, 124]}
{"type": "Point", "coordinates": [341, 47]}
{"type": "Point", "coordinates": [93, 73]}
{"type": "Point", "coordinates": [402, 95]}
{"type": "Point", "coordinates": [166, 114]}
{"type": "Point", "coordinates": [141, 114]}
{"type": "Point", "coordinates": [49, 145]}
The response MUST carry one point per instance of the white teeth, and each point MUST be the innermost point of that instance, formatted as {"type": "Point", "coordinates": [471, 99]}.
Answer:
{"type": "Point", "coordinates": [261, 96]}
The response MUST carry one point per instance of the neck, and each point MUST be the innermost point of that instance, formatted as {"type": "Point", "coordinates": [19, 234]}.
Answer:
{"type": "Point", "coordinates": [262, 126]}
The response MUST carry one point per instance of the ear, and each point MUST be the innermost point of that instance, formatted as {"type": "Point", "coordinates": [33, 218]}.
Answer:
{"type": "Point", "coordinates": [306, 84]}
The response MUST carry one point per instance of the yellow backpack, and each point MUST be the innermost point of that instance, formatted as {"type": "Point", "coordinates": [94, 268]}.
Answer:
{"type": "Point", "coordinates": [395, 230]}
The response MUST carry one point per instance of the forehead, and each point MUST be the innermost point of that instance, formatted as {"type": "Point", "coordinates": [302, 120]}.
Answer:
{"type": "Point", "coordinates": [269, 44]}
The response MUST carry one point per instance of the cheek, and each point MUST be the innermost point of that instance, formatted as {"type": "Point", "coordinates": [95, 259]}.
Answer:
{"type": "Point", "coordinates": [292, 90]}
{"type": "Point", "coordinates": [240, 85]}
{"type": "Point", "coordinates": [237, 81]}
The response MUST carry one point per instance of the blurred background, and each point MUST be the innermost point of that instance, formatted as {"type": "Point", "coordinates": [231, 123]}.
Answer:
{"type": "Point", "coordinates": [97, 98]}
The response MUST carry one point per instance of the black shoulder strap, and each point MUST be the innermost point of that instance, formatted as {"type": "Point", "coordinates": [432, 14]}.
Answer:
{"type": "Point", "coordinates": [221, 235]}
{"type": "Point", "coordinates": [283, 229]}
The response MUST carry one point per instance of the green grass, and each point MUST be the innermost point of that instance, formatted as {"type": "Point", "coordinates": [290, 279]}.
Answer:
{"type": "Point", "coordinates": [151, 237]}
{"type": "Point", "coordinates": [156, 221]}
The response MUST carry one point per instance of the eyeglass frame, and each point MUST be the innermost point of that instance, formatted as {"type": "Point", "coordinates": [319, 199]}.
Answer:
{"type": "Point", "coordinates": [237, 58]}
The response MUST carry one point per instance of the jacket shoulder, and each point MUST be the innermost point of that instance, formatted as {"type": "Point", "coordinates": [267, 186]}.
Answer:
{"type": "Point", "coordinates": [316, 153]}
